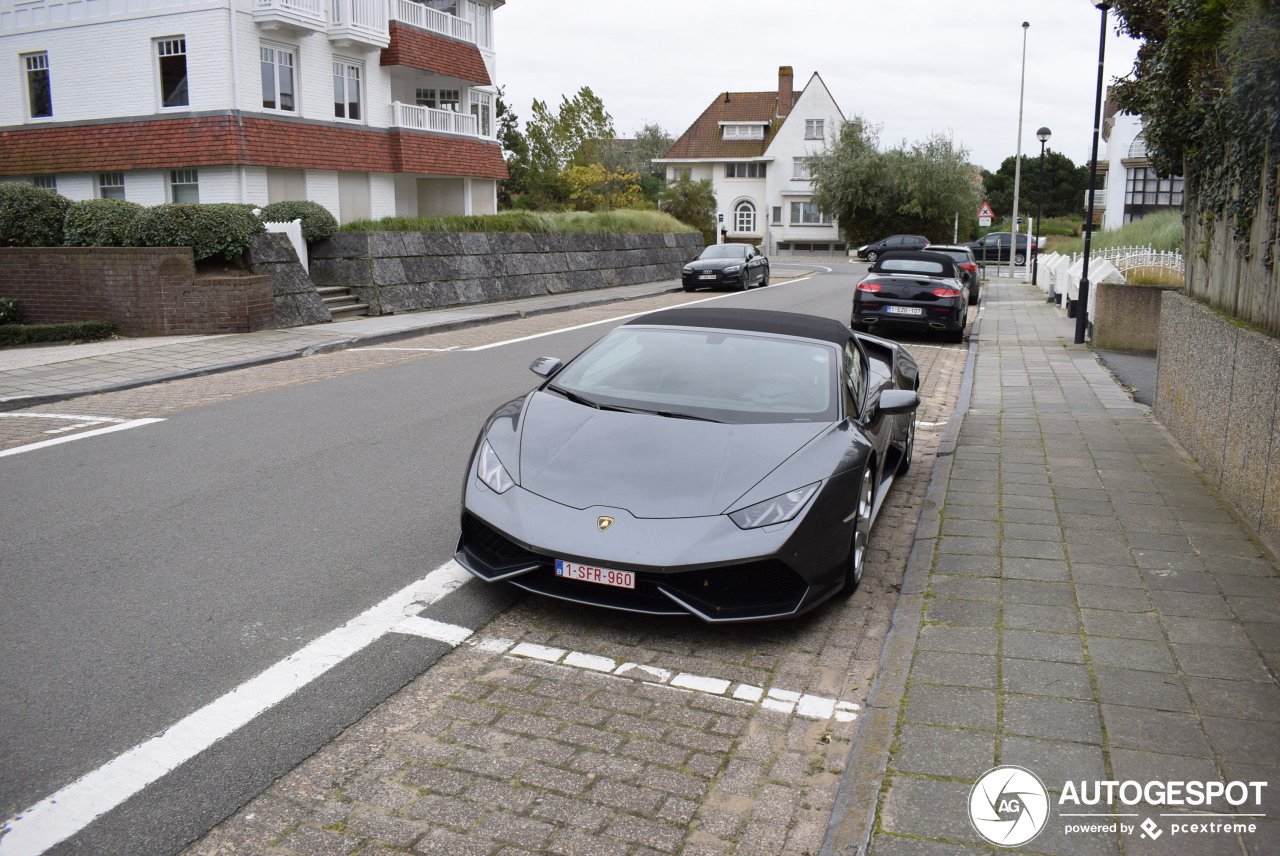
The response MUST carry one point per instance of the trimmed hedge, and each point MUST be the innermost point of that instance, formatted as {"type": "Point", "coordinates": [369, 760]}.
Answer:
{"type": "Point", "coordinates": [99, 222]}
{"type": "Point", "coordinates": [224, 230]}
{"type": "Point", "coordinates": [317, 222]}
{"type": "Point", "coordinates": [30, 216]}
{"type": "Point", "coordinates": [77, 331]}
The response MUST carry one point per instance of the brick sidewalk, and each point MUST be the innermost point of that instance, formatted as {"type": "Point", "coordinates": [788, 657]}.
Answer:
{"type": "Point", "coordinates": [1082, 605]}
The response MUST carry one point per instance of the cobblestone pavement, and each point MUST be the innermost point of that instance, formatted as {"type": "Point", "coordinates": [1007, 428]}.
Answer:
{"type": "Point", "coordinates": [1083, 605]}
{"type": "Point", "coordinates": [558, 729]}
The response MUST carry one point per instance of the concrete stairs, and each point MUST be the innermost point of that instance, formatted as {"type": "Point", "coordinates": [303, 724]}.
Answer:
{"type": "Point", "coordinates": [341, 303]}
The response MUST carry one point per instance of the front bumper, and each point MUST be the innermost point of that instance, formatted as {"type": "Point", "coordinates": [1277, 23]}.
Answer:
{"type": "Point", "coordinates": [702, 566]}
{"type": "Point", "coordinates": [698, 279]}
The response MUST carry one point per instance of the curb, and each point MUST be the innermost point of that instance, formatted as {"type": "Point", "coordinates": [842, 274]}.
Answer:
{"type": "Point", "coordinates": [853, 813]}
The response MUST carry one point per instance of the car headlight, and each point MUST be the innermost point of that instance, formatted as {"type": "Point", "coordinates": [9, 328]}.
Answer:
{"type": "Point", "coordinates": [491, 471]}
{"type": "Point", "coordinates": [732, 268]}
{"type": "Point", "coordinates": [779, 509]}
{"type": "Point", "coordinates": [686, 270]}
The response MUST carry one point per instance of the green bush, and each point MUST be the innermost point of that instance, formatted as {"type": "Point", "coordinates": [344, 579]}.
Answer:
{"type": "Point", "coordinates": [9, 311]}
{"type": "Point", "coordinates": [72, 331]}
{"type": "Point", "coordinates": [224, 230]}
{"type": "Point", "coordinates": [317, 222]}
{"type": "Point", "coordinates": [30, 216]}
{"type": "Point", "coordinates": [99, 222]}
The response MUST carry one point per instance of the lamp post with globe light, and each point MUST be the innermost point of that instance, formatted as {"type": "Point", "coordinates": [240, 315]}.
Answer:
{"type": "Point", "coordinates": [1043, 136]}
{"type": "Point", "coordinates": [1082, 303]}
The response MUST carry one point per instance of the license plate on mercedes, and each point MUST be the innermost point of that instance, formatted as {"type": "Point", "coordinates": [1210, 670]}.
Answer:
{"type": "Point", "coordinates": [591, 574]}
{"type": "Point", "coordinates": [905, 310]}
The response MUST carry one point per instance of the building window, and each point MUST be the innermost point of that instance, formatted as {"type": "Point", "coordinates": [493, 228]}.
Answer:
{"type": "Point", "coordinates": [682, 173]}
{"type": "Point", "coordinates": [743, 132]}
{"type": "Point", "coordinates": [172, 57]}
{"type": "Point", "coordinates": [801, 167]}
{"type": "Point", "coordinates": [111, 185]}
{"type": "Point", "coordinates": [744, 170]}
{"type": "Point", "coordinates": [39, 92]}
{"type": "Point", "coordinates": [447, 6]}
{"type": "Point", "coordinates": [48, 182]}
{"type": "Point", "coordinates": [744, 217]}
{"type": "Point", "coordinates": [346, 90]}
{"type": "Point", "coordinates": [482, 109]}
{"type": "Point", "coordinates": [184, 185]}
{"type": "Point", "coordinates": [484, 29]}
{"type": "Point", "coordinates": [777, 214]}
{"type": "Point", "coordinates": [1144, 187]}
{"type": "Point", "coordinates": [278, 84]}
{"type": "Point", "coordinates": [807, 214]}
{"type": "Point", "coordinates": [440, 99]}
{"type": "Point", "coordinates": [813, 129]}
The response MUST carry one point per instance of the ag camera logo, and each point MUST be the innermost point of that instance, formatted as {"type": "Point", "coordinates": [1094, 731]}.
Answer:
{"type": "Point", "coordinates": [1009, 806]}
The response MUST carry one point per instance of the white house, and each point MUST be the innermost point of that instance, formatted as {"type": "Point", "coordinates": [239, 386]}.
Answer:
{"type": "Point", "coordinates": [1128, 188]}
{"type": "Point", "coordinates": [372, 108]}
{"type": "Point", "coordinates": [755, 146]}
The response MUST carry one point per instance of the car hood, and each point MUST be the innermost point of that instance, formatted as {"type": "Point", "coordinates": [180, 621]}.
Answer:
{"type": "Point", "coordinates": [652, 466]}
{"type": "Point", "coordinates": [713, 264]}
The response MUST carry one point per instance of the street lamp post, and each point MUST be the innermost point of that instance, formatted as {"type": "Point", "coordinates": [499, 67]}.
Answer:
{"type": "Point", "coordinates": [1043, 136]}
{"type": "Point", "coordinates": [1082, 302]}
{"type": "Point", "coordinates": [1017, 163]}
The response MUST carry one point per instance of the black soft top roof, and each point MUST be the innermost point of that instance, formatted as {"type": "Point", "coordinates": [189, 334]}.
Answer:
{"type": "Point", "coordinates": [948, 263]}
{"type": "Point", "coordinates": [753, 320]}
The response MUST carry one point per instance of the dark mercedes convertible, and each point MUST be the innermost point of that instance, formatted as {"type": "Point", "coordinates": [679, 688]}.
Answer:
{"type": "Point", "coordinates": [724, 463]}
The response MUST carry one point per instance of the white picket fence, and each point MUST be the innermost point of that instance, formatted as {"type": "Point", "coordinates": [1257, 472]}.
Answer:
{"type": "Point", "coordinates": [1128, 258]}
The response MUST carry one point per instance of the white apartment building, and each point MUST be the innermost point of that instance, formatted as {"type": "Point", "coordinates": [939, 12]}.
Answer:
{"type": "Point", "coordinates": [1128, 188]}
{"type": "Point", "coordinates": [372, 108]}
{"type": "Point", "coordinates": [755, 148]}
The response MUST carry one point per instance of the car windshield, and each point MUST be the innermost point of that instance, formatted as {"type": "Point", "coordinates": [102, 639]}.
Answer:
{"type": "Point", "coordinates": [958, 255]}
{"type": "Point", "coordinates": [913, 266]}
{"type": "Point", "coordinates": [724, 251]}
{"type": "Point", "coordinates": [726, 376]}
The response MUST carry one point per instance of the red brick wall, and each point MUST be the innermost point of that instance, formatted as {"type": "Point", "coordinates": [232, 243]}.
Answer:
{"type": "Point", "coordinates": [145, 291]}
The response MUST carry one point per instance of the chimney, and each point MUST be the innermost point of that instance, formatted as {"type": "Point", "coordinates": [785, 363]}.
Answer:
{"type": "Point", "coordinates": [786, 98]}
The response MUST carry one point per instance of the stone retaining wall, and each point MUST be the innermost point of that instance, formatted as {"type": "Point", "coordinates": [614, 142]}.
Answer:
{"type": "Point", "coordinates": [1217, 392]}
{"type": "Point", "coordinates": [1126, 317]}
{"type": "Point", "coordinates": [403, 271]}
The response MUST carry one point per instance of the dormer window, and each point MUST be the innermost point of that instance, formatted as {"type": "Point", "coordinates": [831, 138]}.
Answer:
{"type": "Point", "coordinates": [743, 132]}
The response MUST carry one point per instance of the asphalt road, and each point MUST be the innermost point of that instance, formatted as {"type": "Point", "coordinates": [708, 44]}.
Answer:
{"type": "Point", "coordinates": [150, 572]}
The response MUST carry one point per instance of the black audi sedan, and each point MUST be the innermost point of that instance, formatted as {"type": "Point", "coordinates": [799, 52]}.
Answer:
{"type": "Point", "coordinates": [722, 463]}
{"type": "Point", "coordinates": [920, 290]}
{"type": "Point", "coordinates": [726, 265]}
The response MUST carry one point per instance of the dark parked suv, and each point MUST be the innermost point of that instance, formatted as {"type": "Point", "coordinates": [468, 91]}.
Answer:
{"type": "Point", "coordinates": [995, 248]}
{"type": "Point", "coordinates": [872, 251]}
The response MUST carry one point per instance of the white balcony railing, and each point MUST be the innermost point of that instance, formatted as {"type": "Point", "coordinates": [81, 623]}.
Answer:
{"type": "Point", "coordinates": [1099, 198]}
{"type": "Point", "coordinates": [430, 119]}
{"type": "Point", "coordinates": [308, 14]}
{"type": "Point", "coordinates": [417, 15]}
{"type": "Point", "coordinates": [362, 21]}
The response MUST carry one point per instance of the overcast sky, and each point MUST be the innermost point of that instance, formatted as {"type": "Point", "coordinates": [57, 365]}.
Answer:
{"type": "Point", "coordinates": [912, 66]}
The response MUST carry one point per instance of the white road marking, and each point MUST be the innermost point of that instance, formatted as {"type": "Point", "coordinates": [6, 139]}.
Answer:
{"type": "Point", "coordinates": [620, 318]}
{"type": "Point", "coordinates": [31, 447]}
{"type": "Point", "coordinates": [433, 350]}
{"type": "Point", "coordinates": [783, 701]}
{"type": "Point", "coordinates": [63, 814]}
{"type": "Point", "coordinates": [417, 625]}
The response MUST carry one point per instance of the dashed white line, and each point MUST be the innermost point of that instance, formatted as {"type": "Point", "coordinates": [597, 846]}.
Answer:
{"type": "Point", "coordinates": [431, 350]}
{"type": "Point", "coordinates": [31, 447]}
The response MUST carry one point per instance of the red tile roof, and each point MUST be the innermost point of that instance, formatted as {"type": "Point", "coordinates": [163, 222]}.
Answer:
{"type": "Point", "coordinates": [220, 140]}
{"type": "Point", "coordinates": [414, 48]}
{"type": "Point", "coordinates": [705, 139]}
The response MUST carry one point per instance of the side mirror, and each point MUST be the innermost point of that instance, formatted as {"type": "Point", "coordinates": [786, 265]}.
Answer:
{"type": "Point", "coordinates": [894, 402]}
{"type": "Point", "coordinates": [546, 366]}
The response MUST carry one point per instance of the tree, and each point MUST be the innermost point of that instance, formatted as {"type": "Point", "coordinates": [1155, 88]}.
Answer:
{"type": "Point", "coordinates": [577, 134]}
{"type": "Point", "coordinates": [597, 188]}
{"type": "Point", "coordinates": [917, 189]}
{"type": "Point", "coordinates": [1065, 185]}
{"type": "Point", "coordinates": [515, 151]}
{"type": "Point", "coordinates": [692, 203]}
